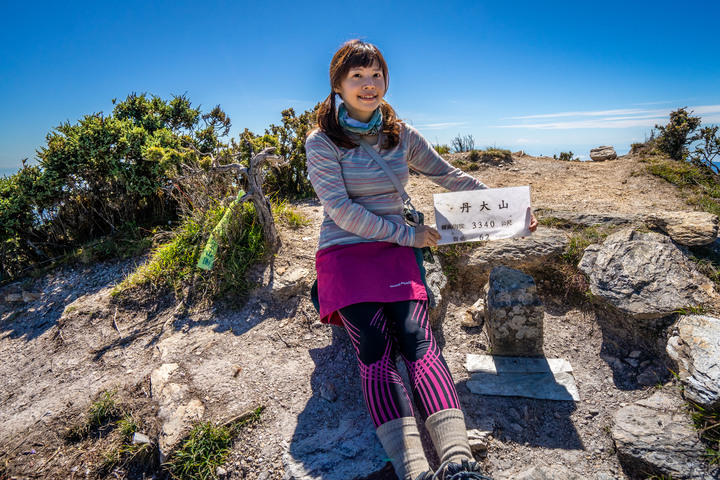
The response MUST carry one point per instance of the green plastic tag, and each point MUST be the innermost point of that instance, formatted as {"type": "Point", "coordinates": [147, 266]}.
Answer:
{"type": "Point", "coordinates": [208, 255]}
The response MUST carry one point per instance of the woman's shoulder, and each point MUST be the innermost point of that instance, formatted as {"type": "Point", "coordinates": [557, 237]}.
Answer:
{"type": "Point", "coordinates": [316, 135]}
{"type": "Point", "coordinates": [318, 140]}
{"type": "Point", "coordinates": [409, 134]}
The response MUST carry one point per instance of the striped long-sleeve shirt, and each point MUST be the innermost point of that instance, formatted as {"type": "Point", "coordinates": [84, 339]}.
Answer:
{"type": "Point", "coordinates": [360, 203]}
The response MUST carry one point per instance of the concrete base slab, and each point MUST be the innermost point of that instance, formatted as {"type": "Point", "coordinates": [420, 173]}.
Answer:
{"type": "Point", "coordinates": [496, 365]}
{"type": "Point", "coordinates": [541, 378]}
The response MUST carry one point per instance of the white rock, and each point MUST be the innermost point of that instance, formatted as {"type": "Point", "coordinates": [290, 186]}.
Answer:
{"type": "Point", "coordinates": [140, 438]}
{"type": "Point", "coordinates": [602, 153]}
{"type": "Point", "coordinates": [478, 439]}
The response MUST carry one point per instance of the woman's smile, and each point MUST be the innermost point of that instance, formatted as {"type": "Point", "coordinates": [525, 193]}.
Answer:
{"type": "Point", "coordinates": [362, 90]}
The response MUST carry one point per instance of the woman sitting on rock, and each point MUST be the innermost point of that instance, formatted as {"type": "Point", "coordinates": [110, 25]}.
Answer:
{"type": "Point", "coordinates": [368, 278]}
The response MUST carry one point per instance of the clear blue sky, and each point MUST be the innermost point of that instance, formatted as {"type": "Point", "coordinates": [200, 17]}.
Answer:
{"type": "Point", "coordinates": [545, 77]}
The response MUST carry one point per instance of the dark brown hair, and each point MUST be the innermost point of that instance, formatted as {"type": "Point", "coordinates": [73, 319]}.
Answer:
{"type": "Point", "coordinates": [353, 54]}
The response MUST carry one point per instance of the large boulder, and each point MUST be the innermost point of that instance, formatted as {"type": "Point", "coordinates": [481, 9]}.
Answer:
{"type": "Point", "coordinates": [695, 346]}
{"type": "Point", "coordinates": [526, 254]}
{"type": "Point", "coordinates": [655, 437]}
{"type": "Point", "coordinates": [589, 219]}
{"type": "Point", "coordinates": [602, 153]}
{"type": "Point", "coordinates": [687, 228]}
{"type": "Point", "coordinates": [644, 275]}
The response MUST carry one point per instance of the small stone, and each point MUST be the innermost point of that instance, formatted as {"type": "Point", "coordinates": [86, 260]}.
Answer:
{"type": "Point", "coordinates": [28, 297]}
{"type": "Point", "coordinates": [609, 359]}
{"type": "Point", "coordinates": [468, 320]}
{"type": "Point", "coordinates": [635, 354]}
{"type": "Point", "coordinates": [474, 314]}
{"type": "Point", "coordinates": [478, 439]}
{"type": "Point", "coordinates": [327, 392]}
{"type": "Point", "coordinates": [140, 438]}
{"type": "Point", "coordinates": [632, 361]}
{"type": "Point", "coordinates": [13, 297]}
{"type": "Point", "coordinates": [517, 427]}
{"type": "Point", "coordinates": [648, 378]}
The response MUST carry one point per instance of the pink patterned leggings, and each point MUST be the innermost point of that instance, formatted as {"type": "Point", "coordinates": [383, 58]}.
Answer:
{"type": "Point", "coordinates": [379, 331]}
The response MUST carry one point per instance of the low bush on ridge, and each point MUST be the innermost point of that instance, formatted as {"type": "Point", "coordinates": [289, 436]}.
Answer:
{"type": "Point", "coordinates": [105, 184]}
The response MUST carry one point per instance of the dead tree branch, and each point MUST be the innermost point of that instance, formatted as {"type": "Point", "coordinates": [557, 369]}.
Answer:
{"type": "Point", "coordinates": [254, 177]}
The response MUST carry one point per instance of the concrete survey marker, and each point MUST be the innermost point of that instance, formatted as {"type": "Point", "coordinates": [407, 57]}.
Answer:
{"type": "Point", "coordinates": [541, 378]}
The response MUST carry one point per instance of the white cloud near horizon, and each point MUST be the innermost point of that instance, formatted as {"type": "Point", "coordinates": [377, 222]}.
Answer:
{"type": "Point", "coordinates": [620, 118]}
{"type": "Point", "coordinates": [597, 113]}
{"type": "Point", "coordinates": [436, 126]}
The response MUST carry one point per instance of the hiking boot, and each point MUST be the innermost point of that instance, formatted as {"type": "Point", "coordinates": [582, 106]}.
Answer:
{"type": "Point", "coordinates": [467, 470]}
{"type": "Point", "coordinates": [429, 475]}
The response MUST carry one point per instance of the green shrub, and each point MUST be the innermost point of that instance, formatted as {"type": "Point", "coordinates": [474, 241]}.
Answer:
{"type": "Point", "coordinates": [205, 448]}
{"type": "Point", "coordinates": [21, 234]}
{"type": "Point", "coordinates": [442, 149]}
{"type": "Point", "coordinates": [561, 276]}
{"type": "Point", "coordinates": [699, 185]}
{"type": "Point", "coordinates": [99, 174]}
{"type": "Point", "coordinates": [494, 155]}
{"type": "Point", "coordinates": [565, 157]}
{"type": "Point", "coordinates": [673, 138]}
{"type": "Point", "coordinates": [708, 424]}
{"type": "Point", "coordinates": [101, 412]}
{"type": "Point", "coordinates": [173, 265]}
{"type": "Point", "coordinates": [707, 150]}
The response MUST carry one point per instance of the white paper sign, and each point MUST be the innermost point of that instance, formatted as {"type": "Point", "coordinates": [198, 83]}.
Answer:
{"type": "Point", "coordinates": [489, 214]}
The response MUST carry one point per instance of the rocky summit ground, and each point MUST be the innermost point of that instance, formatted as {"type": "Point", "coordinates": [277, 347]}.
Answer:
{"type": "Point", "coordinates": [61, 348]}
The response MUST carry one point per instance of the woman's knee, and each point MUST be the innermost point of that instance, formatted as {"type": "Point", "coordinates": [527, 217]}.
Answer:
{"type": "Point", "coordinates": [412, 329]}
{"type": "Point", "coordinates": [369, 331]}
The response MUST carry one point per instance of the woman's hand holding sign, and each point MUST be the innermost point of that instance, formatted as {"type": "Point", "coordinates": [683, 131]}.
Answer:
{"type": "Point", "coordinates": [426, 236]}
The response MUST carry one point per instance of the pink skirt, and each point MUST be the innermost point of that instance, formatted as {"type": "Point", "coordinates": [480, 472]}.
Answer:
{"type": "Point", "coordinates": [365, 272]}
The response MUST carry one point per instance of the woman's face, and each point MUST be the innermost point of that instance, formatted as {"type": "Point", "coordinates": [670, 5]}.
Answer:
{"type": "Point", "coordinates": [362, 90]}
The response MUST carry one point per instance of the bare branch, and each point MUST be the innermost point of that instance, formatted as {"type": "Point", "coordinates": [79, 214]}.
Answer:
{"type": "Point", "coordinates": [238, 167]}
{"type": "Point", "coordinates": [198, 152]}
